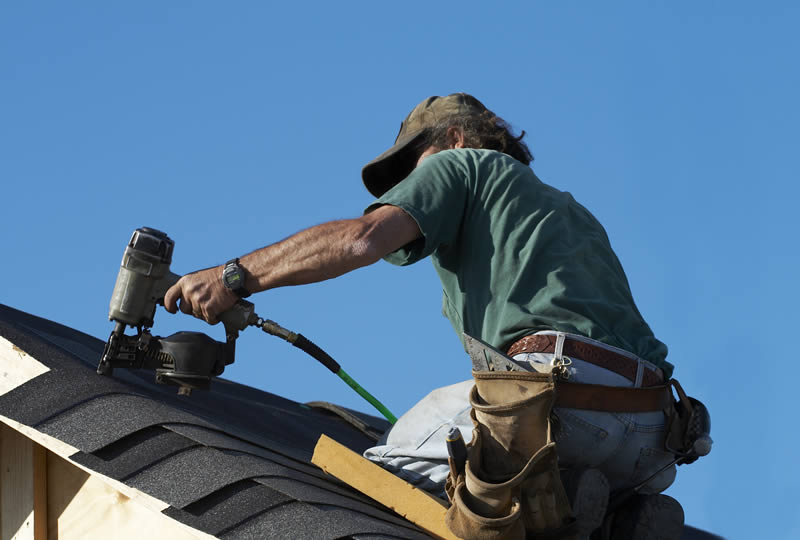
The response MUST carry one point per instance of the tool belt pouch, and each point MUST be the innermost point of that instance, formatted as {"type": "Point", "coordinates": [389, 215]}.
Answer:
{"type": "Point", "coordinates": [482, 510]}
{"type": "Point", "coordinates": [511, 485]}
{"type": "Point", "coordinates": [451, 480]}
{"type": "Point", "coordinates": [689, 426]}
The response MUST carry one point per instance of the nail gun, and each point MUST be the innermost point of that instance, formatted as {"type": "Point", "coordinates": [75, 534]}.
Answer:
{"type": "Point", "coordinates": [185, 359]}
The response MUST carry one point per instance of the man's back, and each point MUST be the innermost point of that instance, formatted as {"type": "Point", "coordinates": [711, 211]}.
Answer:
{"type": "Point", "coordinates": [516, 256]}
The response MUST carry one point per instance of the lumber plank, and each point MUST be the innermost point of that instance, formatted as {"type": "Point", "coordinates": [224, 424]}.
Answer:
{"type": "Point", "coordinates": [39, 492]}
{"type": "Point", "coordinates": [65, 450]}
{"type": "Point", "coordinates": [16, 485]}
{"type": "Point", "coordinates": [71, 487]}
{"type": "Point", "coordinates": [84, 507]}
{"type": "Point", "coordinates": [43, 439]}
{"type": "Point", "coordinates": [417, 506]}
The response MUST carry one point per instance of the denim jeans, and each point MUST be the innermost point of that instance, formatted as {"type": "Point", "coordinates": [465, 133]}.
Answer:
{"type": "Point", "coordinates": [626, 447]}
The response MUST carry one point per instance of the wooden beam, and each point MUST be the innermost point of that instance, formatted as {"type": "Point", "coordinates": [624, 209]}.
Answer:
{"type": "Point", "coordinates": [42, 439]}
{"type": "Point", "coordinates": [81, 504]}
{"type": "Point", "coordinates": [39, 492]}
{"type": "Point", "coordinates": [84, 507]}
{"type": "Point", "coordinates": [415, 505]}
{"type": "Point", "coordinates": [16, 486]}
{"type": "Point", "coordinates": [41, 488]}
{"type": "Point", "coordinates": [64, 450]}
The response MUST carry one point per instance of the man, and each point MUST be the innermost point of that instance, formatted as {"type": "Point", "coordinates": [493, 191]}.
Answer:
{"type": "Point", "coordinates": [524, 268]}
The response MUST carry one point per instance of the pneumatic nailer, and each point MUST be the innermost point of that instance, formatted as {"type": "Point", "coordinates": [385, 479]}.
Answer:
{"type": "Point", "coordinates": [186, 359]}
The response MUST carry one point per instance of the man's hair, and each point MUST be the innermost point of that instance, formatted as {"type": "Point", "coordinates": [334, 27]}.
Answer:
{"type": "Point", "coordinates": [484, 130]}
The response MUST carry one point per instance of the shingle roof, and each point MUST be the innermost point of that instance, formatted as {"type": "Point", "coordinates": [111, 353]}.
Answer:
{"type": "Point", "coordinates": [233, 462]}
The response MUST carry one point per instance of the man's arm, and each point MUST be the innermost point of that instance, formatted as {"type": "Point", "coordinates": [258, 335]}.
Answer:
{"type": "Point", "coordinates": [316, 254]}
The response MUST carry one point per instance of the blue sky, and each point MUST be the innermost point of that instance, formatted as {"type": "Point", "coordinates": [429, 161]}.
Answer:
{"type": "Point", "coordinates": [231, 126]}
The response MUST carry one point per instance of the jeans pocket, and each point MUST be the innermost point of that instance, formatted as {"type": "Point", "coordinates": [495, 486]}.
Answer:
{"type": "Point", "coordinates": [577, 431]}
{"type": "Point", "coordinates": [650, 461]}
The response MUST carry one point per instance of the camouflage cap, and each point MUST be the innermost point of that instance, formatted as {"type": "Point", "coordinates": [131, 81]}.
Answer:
{"type": "Point", "coordinates": [397, 162]}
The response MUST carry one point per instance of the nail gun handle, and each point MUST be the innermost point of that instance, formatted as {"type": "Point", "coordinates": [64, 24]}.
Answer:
{"type": "Point", "coordinates": [237, 318]}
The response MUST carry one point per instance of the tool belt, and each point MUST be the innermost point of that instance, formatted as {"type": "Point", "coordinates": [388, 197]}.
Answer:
{"type": "Point", "coordinates": [688, 420]}
{"type": "Point", "coordinates": [506, 485]}
{"type": "Point", "coordinates": [653, 395]}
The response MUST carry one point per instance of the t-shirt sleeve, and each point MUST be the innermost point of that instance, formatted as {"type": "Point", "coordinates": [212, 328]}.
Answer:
{"type": "Point", "coordinates": [435, 195]}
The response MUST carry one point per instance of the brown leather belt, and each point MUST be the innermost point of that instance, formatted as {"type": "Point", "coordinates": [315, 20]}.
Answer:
{"type": "Point", "coordinates": [595, 397]}
{"type": "Point", "coordinates": [587, 352]}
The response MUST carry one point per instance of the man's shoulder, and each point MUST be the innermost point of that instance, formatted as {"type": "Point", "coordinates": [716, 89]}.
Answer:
{"type": "Point", "coordinates": [480, 161]}
{"type": "Point", "coordinates": [485, 174]}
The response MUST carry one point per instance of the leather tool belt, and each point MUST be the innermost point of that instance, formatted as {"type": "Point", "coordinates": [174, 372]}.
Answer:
{"type": "Point", "coordinates": [595, 397]}
{"type": "Point", "coordinates": [599, 356]}
{"type": "Point", "coordinates": [654, 395]}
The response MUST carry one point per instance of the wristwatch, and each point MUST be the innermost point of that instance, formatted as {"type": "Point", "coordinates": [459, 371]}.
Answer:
{"type": "Point", "coordinates": [233, 278]}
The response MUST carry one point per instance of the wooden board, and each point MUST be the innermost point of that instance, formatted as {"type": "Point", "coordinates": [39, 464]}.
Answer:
{"type": "Point", "coordinates": [23, 487]}
{"type": "Point", "coordinates": [43, 493]}
{"type": "Point", "coordinates": [417, 506]}
{"type": "Point", "coordinates": [86, 508]}
{"type": "Point", "coordinates": [17, 367]}
{"type": "Point", "coordinates": [71, 501]}
{"type": "Point", "coordinates": [39, 492]}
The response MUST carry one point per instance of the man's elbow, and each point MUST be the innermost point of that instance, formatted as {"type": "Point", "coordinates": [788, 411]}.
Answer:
{"type": "Point", "coordinates": [371, 243]}
{"type": "Point", "coordinates": [382, 232]}
{"type": "Point", "coordinates": [364, 250]}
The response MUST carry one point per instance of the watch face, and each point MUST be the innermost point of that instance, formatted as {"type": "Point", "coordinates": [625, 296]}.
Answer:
{"type": "Point", "coordinates": [233, 277]}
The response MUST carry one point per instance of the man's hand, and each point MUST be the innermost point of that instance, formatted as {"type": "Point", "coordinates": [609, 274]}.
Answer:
{"type": "Point", "coordinates": [201, 294]}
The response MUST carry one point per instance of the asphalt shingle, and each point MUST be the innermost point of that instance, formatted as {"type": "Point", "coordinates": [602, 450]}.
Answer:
{"type": "Point", "coordinates": [232, 461]}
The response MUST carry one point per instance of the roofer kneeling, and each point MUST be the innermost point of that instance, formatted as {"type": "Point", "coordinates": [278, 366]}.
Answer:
{"type": "Point", "coordinates": [528, 270]}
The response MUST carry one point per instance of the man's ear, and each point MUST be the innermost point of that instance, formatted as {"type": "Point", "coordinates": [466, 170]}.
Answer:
{"type": "Point", "coordinates": [455, 138]}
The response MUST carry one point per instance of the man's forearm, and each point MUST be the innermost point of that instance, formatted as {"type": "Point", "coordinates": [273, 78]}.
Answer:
{"type": "Point", "coordinates": [329, 250]}
{"type": "Point", "coordinates": [316, 254]}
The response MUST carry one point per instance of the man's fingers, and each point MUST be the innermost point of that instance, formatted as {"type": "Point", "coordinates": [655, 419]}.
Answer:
{"type": "Point", "coordinates": [196, 294]}
{"type": "Point", "coordinates": [186, 307]}
{"type": "Point", "coordinates": [209, 318]}
{"type": "Point", "coordinates": [210, 315]}
{"type": "Point", "coordinates": [171, 298]}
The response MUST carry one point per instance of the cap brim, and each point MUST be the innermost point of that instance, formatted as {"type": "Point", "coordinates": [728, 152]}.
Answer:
{"type": "Point", "coordinates": [389, 168]}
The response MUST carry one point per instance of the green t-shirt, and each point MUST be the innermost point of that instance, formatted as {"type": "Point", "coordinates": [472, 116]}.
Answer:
{"type": "Point", "coordinates": [515, 255]}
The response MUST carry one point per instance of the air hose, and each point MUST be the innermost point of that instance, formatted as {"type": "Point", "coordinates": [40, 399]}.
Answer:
{"type": "Point", "coordinates": [310, 348]}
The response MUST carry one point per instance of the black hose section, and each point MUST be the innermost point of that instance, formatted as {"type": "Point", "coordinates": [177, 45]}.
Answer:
{"type": "Point", "coordinates": [311, 348]}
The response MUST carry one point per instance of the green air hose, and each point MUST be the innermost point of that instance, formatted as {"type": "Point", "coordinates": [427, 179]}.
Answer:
{"type": "Point", "coordinates": [309, 347]}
